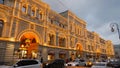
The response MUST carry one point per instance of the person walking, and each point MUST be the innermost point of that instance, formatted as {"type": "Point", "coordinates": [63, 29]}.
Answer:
{"type": "Point", "coordinates": [41, 60]}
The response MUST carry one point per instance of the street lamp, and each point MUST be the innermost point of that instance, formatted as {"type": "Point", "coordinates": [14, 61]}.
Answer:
{"type": "Point", "coordinates": [112, 25]}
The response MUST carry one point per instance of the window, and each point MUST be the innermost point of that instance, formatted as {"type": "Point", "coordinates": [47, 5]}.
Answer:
{"type": "Point", "coordinates": [52, 21]}
{"type": "Point", "coordinates": [61, 25]}
{"type": "Point", "coordinates": [89, 48]}
{"type": "Point", "coordinates": [1, 27]}
{"type": "Point", "coordinates": [1, 1]}
{"type": "Point", "coordinates": [51, 39]}
{"type": "Point", "coordinates": [61, 42]}
{"type": "Point", "coordinates": [33, 13]}
{"type": "Point", "coordinates": [40, 15]}
{"type": "Point", "coordinates": [24, 9]}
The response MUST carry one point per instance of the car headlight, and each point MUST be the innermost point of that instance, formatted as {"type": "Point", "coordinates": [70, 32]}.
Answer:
{"type": "Point", "coordinates": [89, 63]}
{"type": "Point", "coordinates": [65, 64]}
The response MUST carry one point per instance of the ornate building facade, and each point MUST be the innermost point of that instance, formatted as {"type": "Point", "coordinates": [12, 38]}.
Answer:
{"type": "Point", "coordinates": [30, 29]}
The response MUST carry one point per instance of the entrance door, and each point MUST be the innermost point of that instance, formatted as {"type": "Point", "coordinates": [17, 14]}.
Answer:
{"type": "Point", "coordinates": [28, 47]}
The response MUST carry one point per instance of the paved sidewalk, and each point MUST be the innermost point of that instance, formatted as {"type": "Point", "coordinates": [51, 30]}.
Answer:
{"type": "Point", "coordinates": [76, 67]}
{"type": "Point", "coordinates": [4, 66]}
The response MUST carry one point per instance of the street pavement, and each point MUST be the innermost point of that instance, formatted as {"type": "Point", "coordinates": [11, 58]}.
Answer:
{"type": "Point", "coordinates": [4, 66]}
{"type": "Point", "coordinates": [76, 67]}
{"type": "Point", "coordinates": [80, 67]}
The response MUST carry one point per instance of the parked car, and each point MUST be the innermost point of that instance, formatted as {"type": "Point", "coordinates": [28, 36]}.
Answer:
{"type": "Point", "coordinates": [100, 65]}
{"type": "Point", "coordinates": [76, 62]}
{"type": "Point", "coordinates": [89, 63]}
{"type": "Point", "coordinates": [57, 63]}
{"type": "Point", "coordinates": [72, 63]}
{"type": "Point", "coordinates": [27, 63]}
{"type": "Point", "coordinates": [115, 64]}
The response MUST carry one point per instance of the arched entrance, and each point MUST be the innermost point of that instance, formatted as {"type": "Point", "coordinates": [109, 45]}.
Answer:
{"type": "Point", "coordinates": [79, 50]}
{"type": "Point", "coordinates": [28, 46]}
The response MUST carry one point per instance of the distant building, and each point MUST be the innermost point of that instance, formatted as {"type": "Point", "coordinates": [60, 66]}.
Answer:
{"type": "Point", "coordinates": [29, 29]}
{"type": "Point", "coordinates": [117, 51]}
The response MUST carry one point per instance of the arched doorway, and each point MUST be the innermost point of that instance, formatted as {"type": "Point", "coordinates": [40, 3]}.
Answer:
{"type": "Point", "coordinates": [79, 50]}
{"type": "Point", "coordinates": [28, 46]}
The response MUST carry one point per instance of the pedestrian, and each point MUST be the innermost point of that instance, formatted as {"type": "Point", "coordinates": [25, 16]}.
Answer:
{"type": "Point", "coordinates": [70, 59]}
{"type": "Point", "coordinates": [41, 60]}
{"type": "Point", "coordinates": [67, 60]}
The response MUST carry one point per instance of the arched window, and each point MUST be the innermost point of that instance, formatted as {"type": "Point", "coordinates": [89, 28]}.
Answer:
{"type": "Point", "coordinates": [24, 8]}
{"type": "Point", "coordinates": [62, 42]}
{"type": "Point", "coordinates": [40, 14]}
{"type": "Point", "coordinates": [1, 27]}
{"type": "Point", "coordinates": [33, 13]}
{"type": "Point", "coordinates": [51, 39]}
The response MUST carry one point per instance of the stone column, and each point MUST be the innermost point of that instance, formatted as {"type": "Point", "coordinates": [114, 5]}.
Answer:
{"type": "Point", "coordinates": [9, 53]}
{"type": "Point", "coordinates": [56, 53]}
{"type": "Point", "coordinates": [44, 54]}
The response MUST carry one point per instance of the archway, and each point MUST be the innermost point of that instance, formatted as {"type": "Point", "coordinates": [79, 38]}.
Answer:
{"type": "Point", "coordinates": [28, 46]}
{"type": "Point", "coordinates": [79, 50]}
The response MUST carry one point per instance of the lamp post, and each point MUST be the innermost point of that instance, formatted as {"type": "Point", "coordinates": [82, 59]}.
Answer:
{"type": "Point", "coordinates": [112, 25]}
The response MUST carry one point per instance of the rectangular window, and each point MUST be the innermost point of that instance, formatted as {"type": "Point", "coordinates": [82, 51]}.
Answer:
{"type": "Point", "coordinates": [24, 9]}
{"type": "Point", "coordinates": [52, 21]}
{"type": "Point", "coordinates": [89, 48]}
{"type": "Point", "coordinates": [32, 13]}
{"type": "Point", "coordinates": [40, 16]}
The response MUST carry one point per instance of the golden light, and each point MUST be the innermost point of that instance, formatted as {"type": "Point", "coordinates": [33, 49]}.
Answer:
{"type": "Point", "coordinates": [22, 46]}
{"type": "Point", "coordinates": [98, 50]}
{"type": "Point", "coordinates": [12, 39]}
{"type": "Point", "coordinates": [45, 44]}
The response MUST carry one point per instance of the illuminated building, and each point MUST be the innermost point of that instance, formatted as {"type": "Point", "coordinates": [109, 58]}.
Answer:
{"type": "Point", "coordinates": [30, 29]}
